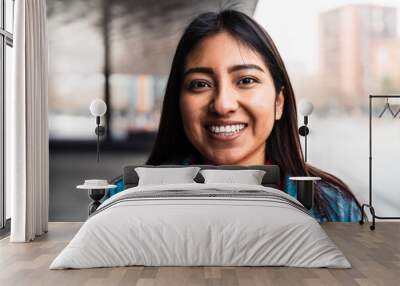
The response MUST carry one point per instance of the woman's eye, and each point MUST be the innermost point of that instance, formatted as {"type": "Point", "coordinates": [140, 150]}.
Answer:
{"type": "Point", "coordinates": [247, 80]}
{"type": "Point", "coordinates": [198, 84]}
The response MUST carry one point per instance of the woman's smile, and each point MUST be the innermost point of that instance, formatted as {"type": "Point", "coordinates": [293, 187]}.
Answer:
{"type": "Point", "coordinates": [225, 131]}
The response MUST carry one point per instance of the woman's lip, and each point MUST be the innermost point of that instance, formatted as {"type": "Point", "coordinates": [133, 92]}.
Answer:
{"type": "Point", "coordinates": [224, 123]}
{"type": "Point", "coordinates": [222, 137]}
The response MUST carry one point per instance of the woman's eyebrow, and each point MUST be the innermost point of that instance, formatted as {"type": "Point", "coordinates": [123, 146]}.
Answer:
{"type": "Point", "coordinates": [199, 70]}
{"type": "Point", "coordinates": [241, 67]}
{"type": "Point", "coordinates": [210, 71]}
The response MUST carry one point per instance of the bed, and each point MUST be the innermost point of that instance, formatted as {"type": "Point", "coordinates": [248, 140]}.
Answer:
{"type": "Point", "coordinates": [201, 224]}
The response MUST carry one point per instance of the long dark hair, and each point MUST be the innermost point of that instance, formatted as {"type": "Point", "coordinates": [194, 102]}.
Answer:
{"type": "Point", "coordinates": [282, 146]}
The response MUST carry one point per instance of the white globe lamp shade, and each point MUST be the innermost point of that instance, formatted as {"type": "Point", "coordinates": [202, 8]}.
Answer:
{"type": "Point", "coordinates": [306, 107]}
{"type": "Point", "coordinates": [98, 107]}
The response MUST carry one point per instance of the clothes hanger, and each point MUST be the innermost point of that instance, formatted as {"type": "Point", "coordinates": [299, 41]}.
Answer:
{"type": "Point", "coordinates": [395, 115]}
{"type": "Point", "coordinates": [387, 106]}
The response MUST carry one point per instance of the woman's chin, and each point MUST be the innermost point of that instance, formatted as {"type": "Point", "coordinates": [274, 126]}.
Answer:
{"type": "Point", "coordinates": [225, 160]}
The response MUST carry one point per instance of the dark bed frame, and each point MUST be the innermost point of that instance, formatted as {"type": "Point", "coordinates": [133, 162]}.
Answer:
{"type": "Point", "coordinates": [270, 179]}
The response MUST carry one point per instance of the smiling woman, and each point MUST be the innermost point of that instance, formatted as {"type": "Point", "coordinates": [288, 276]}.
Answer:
{"type": "Point", "coordinates": [229, 100]}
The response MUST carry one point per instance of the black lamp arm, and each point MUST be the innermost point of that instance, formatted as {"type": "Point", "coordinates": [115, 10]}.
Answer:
{"type": "Point", "coordinates": [100, 131]}
{"type": "Point", "coordinates": [303, 131]}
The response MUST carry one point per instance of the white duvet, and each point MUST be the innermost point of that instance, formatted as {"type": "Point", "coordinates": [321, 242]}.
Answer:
{"type": "Point", "coordinates": [185, 230]}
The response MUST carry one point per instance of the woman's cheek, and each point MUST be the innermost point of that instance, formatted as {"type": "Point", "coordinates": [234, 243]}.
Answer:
{"type": "Point", "coordinates": [190, 115]}
{"type": "Point", "coordinates": [260, 109]}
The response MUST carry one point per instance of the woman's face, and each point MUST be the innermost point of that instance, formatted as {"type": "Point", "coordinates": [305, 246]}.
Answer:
{"type": "Point", "coordinates": [228, 101]}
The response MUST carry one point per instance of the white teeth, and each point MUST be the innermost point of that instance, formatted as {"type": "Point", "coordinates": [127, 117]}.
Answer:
{"type": "Point", "coordinates": [227, 129]}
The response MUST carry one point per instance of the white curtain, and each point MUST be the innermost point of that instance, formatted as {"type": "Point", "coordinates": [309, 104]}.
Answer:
{"type": "Point", "coordinates": [27, 154]}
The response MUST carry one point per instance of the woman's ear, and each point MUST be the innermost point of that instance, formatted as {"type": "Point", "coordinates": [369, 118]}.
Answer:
{"type": "Point", "coordinates": [279, 102]}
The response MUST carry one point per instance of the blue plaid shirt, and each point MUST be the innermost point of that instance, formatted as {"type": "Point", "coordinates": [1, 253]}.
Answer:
{"type": "Point", "coordinates": [340, 207]}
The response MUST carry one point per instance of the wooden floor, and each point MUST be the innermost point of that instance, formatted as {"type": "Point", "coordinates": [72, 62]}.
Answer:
{"type": "Point", "coordinates": [374, 255]}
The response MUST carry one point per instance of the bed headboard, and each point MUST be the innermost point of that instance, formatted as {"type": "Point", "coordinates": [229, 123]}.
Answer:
{"type": "Point", "coordinates": [270, 179]}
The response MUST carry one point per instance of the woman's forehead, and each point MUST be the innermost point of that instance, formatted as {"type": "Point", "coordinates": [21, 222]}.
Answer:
{"type": "Point", "coordinates": [222, 50]}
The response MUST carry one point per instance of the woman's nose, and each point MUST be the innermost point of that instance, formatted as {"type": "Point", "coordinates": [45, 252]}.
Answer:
{"type": "Point", "coordinates": [224, 101]}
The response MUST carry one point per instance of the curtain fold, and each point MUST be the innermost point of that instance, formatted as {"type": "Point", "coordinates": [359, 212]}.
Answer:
{"type": "Point", "coordinates": [27, 124]}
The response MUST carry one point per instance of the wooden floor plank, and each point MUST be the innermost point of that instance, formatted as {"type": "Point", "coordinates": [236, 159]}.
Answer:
{"type": "Point", "coordinates": [374, 255]}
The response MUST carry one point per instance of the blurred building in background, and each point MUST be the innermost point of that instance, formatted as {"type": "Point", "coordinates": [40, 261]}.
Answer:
{"type": "Point", "coordinates": [385, 64]}
{"type": "Point", "coordinates": [359, 52]}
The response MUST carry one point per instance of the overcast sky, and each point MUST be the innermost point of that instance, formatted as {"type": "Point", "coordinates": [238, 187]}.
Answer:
{"type": "Point", "coordinates": [293, 26]}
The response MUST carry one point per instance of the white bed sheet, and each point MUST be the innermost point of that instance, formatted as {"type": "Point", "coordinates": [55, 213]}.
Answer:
{"type": "Point", "coordinates": [205, 231]}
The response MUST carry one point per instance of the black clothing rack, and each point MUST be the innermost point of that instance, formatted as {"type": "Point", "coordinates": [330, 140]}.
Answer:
{"type": "Point", "coordinates": [369, 205]}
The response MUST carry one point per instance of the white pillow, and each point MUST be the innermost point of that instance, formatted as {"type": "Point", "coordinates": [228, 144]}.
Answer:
{"type": "Point", "coordinates": [162, 176]}
{"type": "Point", "coordinates": [249, 177]}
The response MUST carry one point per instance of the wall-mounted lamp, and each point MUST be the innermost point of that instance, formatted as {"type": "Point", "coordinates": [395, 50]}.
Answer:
{"type": "Point", "coordinates": [305, 108]}
{"type": "Point", "coordinates": [98, 108]}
